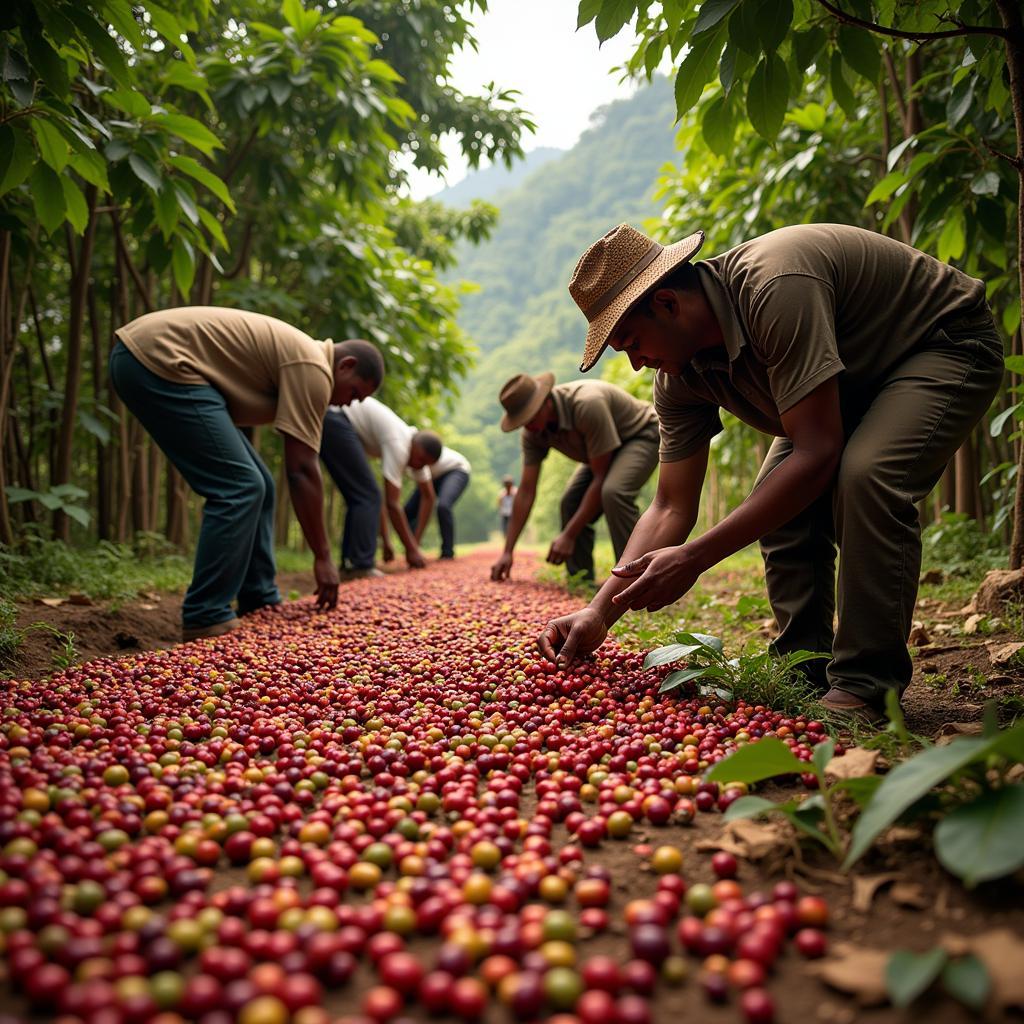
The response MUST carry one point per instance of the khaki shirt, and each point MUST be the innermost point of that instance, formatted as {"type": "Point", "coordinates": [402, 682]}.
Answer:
{"type": "Point", "coordinates": [594, 418]}
{"type": "Point", "coordinates": [796, 307]}
{"type": "Point", "coordinates": [267, 370]}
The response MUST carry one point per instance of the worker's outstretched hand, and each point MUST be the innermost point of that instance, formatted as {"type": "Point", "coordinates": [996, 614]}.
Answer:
{"type": "Point", "coordinates": [326, 575]}
{"type": "Point", "coordinates": [660, 577]}
{"type": "Point", "coordinates": [572, 635]}
{"type": "Point", "coordinates": [502, 568]}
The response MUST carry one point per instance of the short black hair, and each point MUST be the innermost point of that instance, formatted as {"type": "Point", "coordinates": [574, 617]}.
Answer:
{"type": "Point", "coordinates": [430, 443]}
{"type": "Point", "coordinates": [682, 278]}
{"type": "Point", "coordinates": [369, 361]}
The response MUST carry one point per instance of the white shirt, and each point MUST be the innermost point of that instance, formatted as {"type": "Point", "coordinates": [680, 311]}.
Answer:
{"type": "Point", "coordinates": [385, 436]}
{"type": "Point", "coordinates": [450, 460]}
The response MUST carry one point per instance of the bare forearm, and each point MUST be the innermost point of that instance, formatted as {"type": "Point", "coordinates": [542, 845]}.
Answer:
{"type": "Point", "coordinates": [521, 507]}
{"type": "Point", "coordinates": [423, 517]}
{"type": "Point", "coordinates": [306, 490]}
{"type": "Point", "coordinates": [660, 526]}
{"type": "Point", "coordinates": [589, 507]}
{"type": "Point", "coordinates": [796, 482]}
{"type": "Point", "coordinates": [397, 516]}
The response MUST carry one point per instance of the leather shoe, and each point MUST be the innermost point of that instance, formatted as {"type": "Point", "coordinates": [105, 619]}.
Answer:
{"type": "Point", "coordinates": [202, 632]}
{"type": "Point", "coordinates": [840, 702]}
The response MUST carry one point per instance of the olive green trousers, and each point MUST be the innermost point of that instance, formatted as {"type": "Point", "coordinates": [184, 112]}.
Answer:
{"type": "Point", "coordinates": [899, 441]}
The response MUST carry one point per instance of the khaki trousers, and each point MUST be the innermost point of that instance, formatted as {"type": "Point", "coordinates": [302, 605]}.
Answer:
{"type": "Point", "coordinates": [630, 469]}
{"type": "Point", "coordinates": [896, 450]}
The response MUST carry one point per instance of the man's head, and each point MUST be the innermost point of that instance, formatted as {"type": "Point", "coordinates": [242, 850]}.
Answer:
{"type": "Point", "coordinates": [527, 402]}
{"type": "Point", "coordinates": [624, 267]}
{"type": "Point", "coordinates": [358, 371]}
{"type": "Point", "coordinates": [425, 449]}
{"type": "Point", "coordinates": [507, 482]}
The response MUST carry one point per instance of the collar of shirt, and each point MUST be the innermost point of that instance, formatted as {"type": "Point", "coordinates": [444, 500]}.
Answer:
{"type": "Point", "coordinates": [722, 306]}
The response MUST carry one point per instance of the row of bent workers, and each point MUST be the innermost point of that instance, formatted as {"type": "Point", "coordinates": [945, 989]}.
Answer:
{"type": "Point", "coordinates": [867, 360]}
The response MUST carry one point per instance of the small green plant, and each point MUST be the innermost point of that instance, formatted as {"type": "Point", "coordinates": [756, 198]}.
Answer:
{"type": "Point", "coordinates": [762, 678]}
{"type": "Point", "coordinates": [909, 975]}
{"type": "Point", "coordinates": [959, 546]}
{"type": "Point", "coordinates": [10, 635]}
{"type": "Point", "coordinates": [966, 784]}
{"type": "Point", "coordinates": [66, 654]}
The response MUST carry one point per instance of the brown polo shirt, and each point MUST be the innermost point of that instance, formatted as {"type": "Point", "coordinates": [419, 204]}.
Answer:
{"type": "Point", "coordinates": [796, 307]}
{"type": "Point", "coordinates": [594, 418]}
{"type": "Point", "coordinates": [267, 370]}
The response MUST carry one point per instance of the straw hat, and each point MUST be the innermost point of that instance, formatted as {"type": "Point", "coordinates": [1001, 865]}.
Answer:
{"type": "Point", "coordinates": [522, 397]}
{"type": "Point", "coordinates": [614, 272]}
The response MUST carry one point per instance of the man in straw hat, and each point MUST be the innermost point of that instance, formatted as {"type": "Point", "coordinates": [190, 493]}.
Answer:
{"type": "Point", "coordinates": [613, 435]}
{"type": "Point", "coordinates": [870, 363]}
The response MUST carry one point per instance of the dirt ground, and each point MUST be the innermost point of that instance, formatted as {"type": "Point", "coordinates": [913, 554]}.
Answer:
{"type": "Point", "coordinates": [897, 897]}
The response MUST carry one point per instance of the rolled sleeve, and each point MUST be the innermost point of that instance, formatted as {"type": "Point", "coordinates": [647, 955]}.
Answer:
{"type": "Point", "coordinates": [793, 326]}
{"type": "Point", "coordinates": [686, 422]}
{"type": "Point", "coordinates": [303, 394]}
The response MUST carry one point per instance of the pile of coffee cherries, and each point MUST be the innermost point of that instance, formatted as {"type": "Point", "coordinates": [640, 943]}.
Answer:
{"type": "Point", "coordinates": [380, 814]}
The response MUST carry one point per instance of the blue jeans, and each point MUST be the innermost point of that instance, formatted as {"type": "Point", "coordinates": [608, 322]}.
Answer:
{"type": "Point", "coordinates": [448, 488]}
{"type": "Point", "coordinates": [343, 455]}
{"type": "Point", "coordinates": [192, 426]}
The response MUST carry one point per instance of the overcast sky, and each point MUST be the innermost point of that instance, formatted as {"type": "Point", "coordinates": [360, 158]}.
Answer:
{"type": "Point", "coordinates": [562, 75]}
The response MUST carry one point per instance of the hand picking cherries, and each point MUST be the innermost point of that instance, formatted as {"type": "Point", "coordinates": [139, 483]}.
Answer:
{"type": "Point", "coordinates": [379, 814]}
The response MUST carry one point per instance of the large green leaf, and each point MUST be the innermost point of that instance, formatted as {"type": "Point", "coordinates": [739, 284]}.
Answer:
{"type": "Point", "coordinates": [666, 655]}
{"type": "Point", "coordinates": [697, 69]}
{"type": "Point", "coordinates": [612, 16]}
{"type": "Point", "coordinates": [711, 13]}
{"type": "Point", "coordinates": [908, 975]}
{"type": "Point", "coordinates": [748, 807]}
{"type": "Point", "coordinates": [953, 237]}
{"type": "Point", "coordinates": [145, 171]}
{"type": "Point", "coordinates": [756, 761]}
{"type": "Point", "coordinates": [76, 209]}
{"type": "Point", "coordinates": [860, 51]}
{"type": "Point", "coordinates": [92, 167]}
{"type": "Point", "coordinates": [773, 18]}
{"type": "Point", "coordinates": [676, 679]}
{"type": "Point", "coordinates": [47, 63]}
{"type": "Point", "coordinates": [53, 147]}
{"type": "Point", "coordinates": [886, 187]}
{"type": "Point", "coordinates": [807, 45]}
{"type": "Point", "coordinates": [718, 126]}
{"type": "Point", "coordinates": [190, 130]}
{"type": "Point", "coordinates": [204, 176]}
{"type": "Point", "coordinates": [768, 96]}
{"type": "Point", "coordinates": [841, 91]}
{"type": "Point", "coordinates": [100, 43]}
{"type": "Point", "coordinates": [47, 197]}
{"type": "Point", "coordinates": [982, 839]}
{"type": "Point", "coordinates": [17, 157]}
{"type": "Point", "coordinates": [183, 265]}
{"type": "Point", "coordinates": [587, 12]}
{"type": "Point", "coordinates": [907, 783]}
{"type": "Point", "coordinates": [967, 980]}
{"type": "Point", "coordinates": [165, 207]}
{"type": "Point", "coordinates": [701, 639]}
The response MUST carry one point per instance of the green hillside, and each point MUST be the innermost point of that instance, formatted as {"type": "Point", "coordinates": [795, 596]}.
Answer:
{"type": "Point", "coordinates": [490, 182]}
{"type": "Point", "coordinates": [522, 318]}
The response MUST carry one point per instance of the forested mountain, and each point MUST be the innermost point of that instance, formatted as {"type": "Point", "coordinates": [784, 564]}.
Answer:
{"type": "Point", "coordinates": [490, 182]}
{"type": "Point", "coordinates": [522, 318]}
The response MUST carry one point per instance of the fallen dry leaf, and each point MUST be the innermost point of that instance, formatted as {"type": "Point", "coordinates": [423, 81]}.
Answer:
{"type": "Point", "coordinates": [919, 635]}
{"type": "Point", "coordinates": [865, 887]}
{"type": "Point", "coordinates": [83, 599]}
{"type": "Point", "coordinates": [972, 622]}
{"type": "Point", "coordinates": [751, 840]}
{"type": "Point", "coordinates": [858, 971]}
{"type": "Point", "coordinates": [854, 764]}
{"type": "Point", "coordinates": [910, 894]}
{"type": "Point", "coordinates": [951, 730]}
{"type": "Point", "coordinates": [147, 607]}
{"type": "Point", "coordinates": [1002, 654]}
{"type": "Point", "coordinates": [50, 602]}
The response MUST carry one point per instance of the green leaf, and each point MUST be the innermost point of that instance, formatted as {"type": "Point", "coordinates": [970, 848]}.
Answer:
{"type": "Point", "coordinates": [906, 784]}
{"type": "Point", "coordinates": [213, 225]}
{"type": "Point", "coordinates": [711, 13]}
{"type": "Point", "coordinates": [743, 31]}
{"type": "Point", "coordinates": [860, 51]}
{"type": "Point", "coordinates": [17, 158]}
{"type": "Point", "coordinates": [908, 975]}
{"type": "Point", "coordinates": [80, 515]}
{"type": "Point", "coordinates": [204, 176]}
{"type": "Point", "coordinates": [986, 184]}
{"type": "Point", "coordinates": [841, 90]}
{"type": "Point", "coordinates": [170, 28]}
{"type": "Point", "coordinates": [823, 754]}
{"type": "Point", "coordinates": [768, 96]}
{"type": "Point", "coordinates": [861, 789]}
{"type": "Point", "coordinates": [612, 16]}
{"type": "Point", "coordinates": [885, 188]}
{"type": "Point", "coordinates": [807, 45]}
{"type": "Point", "coordinates": [675, 679]}
{"type": "Point", "coordinates": [19, 494]}
{"type": "Point", "coordinates": [53, 147]}
{"type": "Point", "coordinates": [92, 167]}
{"type": "Point", "coordinates": [701, 639]}
{"type": "Point", "coordinates": [94, 426]}
{"type": "Point", "coordinates": [666, 655]}
{"type": "Point", "coordinates": [165, 208]}
{"type": "Point", "coordinates": [981, 840]}
{"type": "Point", "coordinates": [189, 130]}
{"type": "Point", "coordinates": [145, 171]}
{"type": "Point", "coordinates": [718, 126]}
{"type": "Point", "coordinates": [587, 12]}
{"type": "Point", "coordinates": [183, 265]}
{"type": "Point", "coordinates": [773, 19]}
{"type": "Point", "coordinates": [735, 64]}
{"type": "Point", "coordinates": [1011, 318]}
{"type": "Point", "coordinates": [966, 980]}
{"type": "Point", "coordinates": [961, 97]}
{"type": "Point", "coordinates": [100, 43]}
{"type": "Point", "coordinates": [697, 69]}
{"type": "Point", "coordinates": [748, 807]}
{"type": "Point", "coordinates": [953, 237]}
{"type": "Point", "coordinates": [47, 63]}
{"type": "Point", "coordinates": [47, 197]}
{"type": "Point", "coordinates": [756, 761]}
{"type": "Point", "coordinates": [76, 209]}
{"type": "Point", "coordinates": [995, 428]}
{"type": "Point", "coordinates": [1015, 364]}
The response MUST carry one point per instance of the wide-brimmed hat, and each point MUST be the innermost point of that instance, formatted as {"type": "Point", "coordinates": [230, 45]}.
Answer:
{"type": "Point", "coordinates": [522, 397]}
{"type": "Point", "coordinates": [614, 272]}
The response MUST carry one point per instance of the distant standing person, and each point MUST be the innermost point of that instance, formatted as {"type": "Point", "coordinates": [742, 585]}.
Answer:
{"type": "Point", "coordinates": [192, 376]}
{"type": "Point", "coordinates": [613, 435]}
{"type": "Point", "coordinates": [505, 499]}
{"type": "Point", "coordinates": [450, 475]}
{"type": "Point", "coordinates": [364, 430]}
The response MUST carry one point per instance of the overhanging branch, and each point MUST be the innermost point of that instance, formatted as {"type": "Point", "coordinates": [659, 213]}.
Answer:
{"type": "Point", "coordinates": [917, 37]}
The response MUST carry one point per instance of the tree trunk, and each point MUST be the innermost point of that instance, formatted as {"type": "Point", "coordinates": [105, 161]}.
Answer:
{"type": "Point", "coordinates": [966, 474]}
{"type": "Point", "coordinates": [1009, 13]}
{"type": "Point", "coordinates": [73, 374]}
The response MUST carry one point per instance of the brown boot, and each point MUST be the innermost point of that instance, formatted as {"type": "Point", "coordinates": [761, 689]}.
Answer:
{"type": "Point", "coordinates": [842, 703]}
{"type": "Point", "coordinates": [202, 632]}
